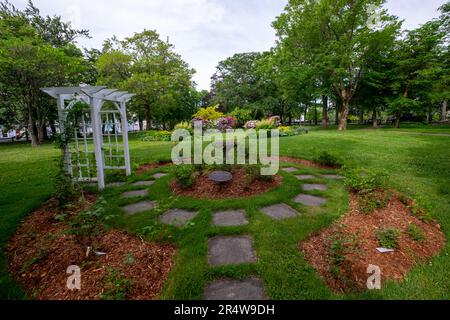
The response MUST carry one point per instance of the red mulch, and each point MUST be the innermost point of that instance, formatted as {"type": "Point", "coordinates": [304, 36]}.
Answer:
{"type": "Point", "coordinates": [41, 251]}
{"type": "Point", "coordinates": [151, 166]}
{"type": "Point", "coordinates": [394, 265]}
{"type": "Point", "coordinates": [203, 187]}
{"type": "Point", "coordinates": [306, 163]}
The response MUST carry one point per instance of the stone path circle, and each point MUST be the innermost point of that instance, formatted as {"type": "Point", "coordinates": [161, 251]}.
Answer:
{"type": "Point", "coordinates": [280, 211]}
{"type": "Point", "coordinates": [312, 187]}
{"type": "Point", "coordinates": [229, 218]}
{"type": "Point", "coordinates": [305, 177]}
{"type": "Point", "coordinates": [290, 169]}
{"type": "Point", "coordinates": [248, 289]}
{"type": "Point", "coordinates": [177, 217]}
{"type": "Point", "coordinates": [230, 250]}
{"type": "Point", "coordinates": [143, 183]}
{"type": "Point", "coordinates": [309, 200]}
{"type": "Point", "coordinates": [134, 194]}
{"type": "Point", "coordinates": [139, 207]}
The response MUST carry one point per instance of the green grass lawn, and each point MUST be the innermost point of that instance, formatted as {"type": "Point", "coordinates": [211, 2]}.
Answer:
{"type": "Point", "coordinates": [418, 165]}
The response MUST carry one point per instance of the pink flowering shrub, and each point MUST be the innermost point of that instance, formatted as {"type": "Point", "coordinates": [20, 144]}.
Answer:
{"type": "Point", "coordinates": [226, 123]}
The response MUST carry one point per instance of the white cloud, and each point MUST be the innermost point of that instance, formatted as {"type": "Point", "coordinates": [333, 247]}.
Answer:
{"type": "Point", "coordinates": [203, 31]}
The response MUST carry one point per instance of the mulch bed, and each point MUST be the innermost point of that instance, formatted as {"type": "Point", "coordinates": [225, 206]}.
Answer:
{"type": "Point", "coordinates": [203, 187]}
{"type": "Point", "coordinates": [306, 163]}
{"type": "Point", "coordinates": [359, 228]}
{"type": "Point", "coordinates": [151, 166]}
{"type": "Point", "coordinates": [41, 251]}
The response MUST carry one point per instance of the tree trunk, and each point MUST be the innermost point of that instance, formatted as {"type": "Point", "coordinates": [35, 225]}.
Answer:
{"type": "Point", "coordinates": [290, 119]}
{"type": "Point", "coordinates": [430, 116]}
{"type": "Point", "coordinates": [324, 111]}
{"type": "Point", "coordinates": [336, 108]}
{"type": "Point", "coordinates": [361, 116]}
{"type": "Point", "coordinates": [397, 120]}
{"type": "Point", "coordinates": [148, 117]}
{"type": "Point", "coordinates": [33, 131]}
{"type": "Point", "coordinates": [141, 124]}
{"type": "Point", "coordinates": [345, 111]}
{"type": "Point", "coordinates": [374, 118]}
{"type": "Point", "coordinates": [316, 118]}
{"type": "Point", "coordinates": [444, 111]}
{"type": "Point", "coordinates": [53, 127]}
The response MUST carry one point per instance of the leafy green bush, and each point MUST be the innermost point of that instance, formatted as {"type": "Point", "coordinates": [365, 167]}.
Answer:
{"type": "Point", "coordinates": [254, 172]}
{"type": "Point", "coordinates": [415, 232]}
{"type": "Point", "coordinates": [388, 238]}
{"type": "Point", "coordinates": [242, 116]}
{"type": "Point", "coordinates": [117, 286]}
{"type": "Point", "coordinates": [185, 175]}
{"type": "Point", "coordinates": [208, 114]}
{"type": "Point", "coordinates": [327, 159]}
{"type": "Point", "coordinates": [368, 202]}
{"type": "Point", "coordinates": [291, 131]}
{"type": "Point", "coordinates": [364, 181]}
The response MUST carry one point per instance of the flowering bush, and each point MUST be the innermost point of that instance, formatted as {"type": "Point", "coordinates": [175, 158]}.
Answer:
{"type": "Point", "coordinates": [275, 120]}
{"type": "Point", "coordinates": [226, 123]}
{"type": "Point", "coordinates": [208, 114]}
{"type": "Point", "coordinates": [251, 124]}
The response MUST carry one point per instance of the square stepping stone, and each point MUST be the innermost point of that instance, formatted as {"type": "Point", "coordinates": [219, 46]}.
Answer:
{"type": "Point", "coordinates": [177, 217]}
{"type": "Point", "coordinates": [309, 200]}
{"type": "Point", "coordinates": [332, 176]}
{"type": "Point", "coordinates": [280, 211]}
{"type": "Point", "coordinates": [115, 184]}
{"type": "Point", "coordinates": [230, 251]}
{"type": "Point", "coordinates": [159, 175]}
{"type": "Point", "coordinates": [290, 169]}
{"type": "Point", "coordinates": [229, 218]}
{"type": "Point", "coordinates": [134, 194]}
{"type": "Point", "coordinates": [248, 289]}
{"type": "Point", "coordinates": [143, 183]}
{"type": "Point", "coordinates": [305, 177]}
{"type": "Point", "coordinates": [312, 187]}
{"type": "Point", "coordinates": [139, 207]}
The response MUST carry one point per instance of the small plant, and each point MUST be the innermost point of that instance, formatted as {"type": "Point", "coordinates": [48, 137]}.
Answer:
{"type": "Point", "coordinates": [265, 125]}
{"type": "Point", "coordinates": [364, 181]}
{"type": "Point", "coordinates": [185, 175]}
{"type": "Point", "coordinates": [90, 222]}
{"type": "Point", "coordinates": [388, 238]}
{"type": "Point", "coordinates": [157, 136]}
{"type": "Point", "coordinates": [371, 201]}
{"type": "Point", "coordinates": [129, 259]}
{"type": "Point", "coordinates": [254, 172]}
{"type": "Point", "coordinates": [415, 232]}
{"type": "Point", "coordinates": [116, 285]}
{"type": "Point", "coordinates": [329, 160]}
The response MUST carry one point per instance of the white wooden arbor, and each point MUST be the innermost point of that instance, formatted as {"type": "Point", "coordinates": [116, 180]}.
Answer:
{"type": "Point", "coordinates": [86, 157]}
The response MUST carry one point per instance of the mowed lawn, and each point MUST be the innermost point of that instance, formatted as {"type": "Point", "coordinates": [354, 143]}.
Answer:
{"type": "Point", "coordinates": [418, 165]}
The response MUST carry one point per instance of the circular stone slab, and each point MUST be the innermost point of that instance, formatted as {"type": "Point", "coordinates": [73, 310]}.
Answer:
{"type": "Point", "coordinates": [139, 207]}
{"type": "Point", "coordinates": [159, 175]}
{"type": "Point", "coordinates": [290, 169]}
{"type": "Point", "coordinates": [312, 187]}
{"type": "Point", "coordinates": [309, 200]}
{"type": "Point", "coordinates": [177, 217]}
{"type": "Point", "coordinates": [280, 211]}
{"type": "Point", "coordinates": [230, 250]}
{"type": "Point", "coordinates": [220, 176]}
{"type": "Point", "coordinates": [332, 176]}
{"type": "Point", "coordinates": [305, 177]}
{"type": "Point", "coordinates": [229, 218]}
{"type": "Point", "coordinates": [143, 183]}
{"type": "Point", "coordinates": [248, 289]}
{"type": "Point", "coordinates": [134, 194]}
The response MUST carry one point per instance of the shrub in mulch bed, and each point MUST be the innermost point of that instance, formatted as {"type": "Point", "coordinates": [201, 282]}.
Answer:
{"type": "Point", "coordinates": [43, 248]}
{"type": "Point", "coordinates": [306, 163]}
{"type": "Point", "coordinates": [343, 252]}
{"type": "Point", "coordinates": [151, 166]}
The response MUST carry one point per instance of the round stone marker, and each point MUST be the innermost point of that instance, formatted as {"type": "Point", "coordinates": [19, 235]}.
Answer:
{"type": "Point", "coordinates": [312, 187]}
{"type": "Point", "coordinates": [134, 194]}
{"type": "Point", "coordinates": [280, 211]}
{"type": "Point", "coordinates": [177, 217]}
{"type": "Point", "coordinates": [220, 177]}
{"type": "Point", "coordinates": [139, 207]}
{"type": "Point", "coordinates": [229, 218]}
{"type": "Point", "coordinates": [230, 250]}
{"type": "Point", "coordinates": [309, 200]}
{"type": "Point", "coordinates": [248, 289]}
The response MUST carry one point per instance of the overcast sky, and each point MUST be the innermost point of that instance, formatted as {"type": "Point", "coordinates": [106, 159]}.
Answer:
{"type": "Point", "coordinates": [204, 32]}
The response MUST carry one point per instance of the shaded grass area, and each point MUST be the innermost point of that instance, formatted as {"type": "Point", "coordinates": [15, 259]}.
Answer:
{"type": "Point", "coordinates": [417, 165]}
